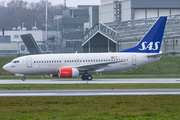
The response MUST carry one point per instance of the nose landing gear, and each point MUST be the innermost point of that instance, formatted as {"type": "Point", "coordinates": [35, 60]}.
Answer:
{"type": "Point", "coordinates": [23, 78]}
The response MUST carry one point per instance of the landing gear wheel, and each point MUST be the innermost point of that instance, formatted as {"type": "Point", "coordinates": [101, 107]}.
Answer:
{"type": "Point", "coordinates": [89, 77]}
{"type": "Point", "coordinates": [23, 78]}
{"type": "Point", "coordinates": [84, 77]}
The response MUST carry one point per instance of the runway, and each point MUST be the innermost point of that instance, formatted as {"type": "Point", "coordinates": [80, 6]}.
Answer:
{"type": "Point", "coordinates": [94, 81]}
{"type": "Point", "coordinates": [87, 92]}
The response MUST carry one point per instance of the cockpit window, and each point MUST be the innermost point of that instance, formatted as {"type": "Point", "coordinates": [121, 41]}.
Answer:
{"type": "Point", "coordinates": [15, 61]}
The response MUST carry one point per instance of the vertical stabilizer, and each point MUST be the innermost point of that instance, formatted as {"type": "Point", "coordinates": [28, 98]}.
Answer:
{"type": "Point", "coordinates": [151, 42]}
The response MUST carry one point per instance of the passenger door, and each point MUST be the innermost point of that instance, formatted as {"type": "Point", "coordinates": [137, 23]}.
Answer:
{"type": "Point", "coordinates": [29, 62]}
{"type": "Point", "coordinates": [134, 60]}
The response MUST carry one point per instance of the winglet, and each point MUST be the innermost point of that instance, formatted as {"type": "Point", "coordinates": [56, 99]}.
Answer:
{"type": "Point", "coordinates": [151, 42]}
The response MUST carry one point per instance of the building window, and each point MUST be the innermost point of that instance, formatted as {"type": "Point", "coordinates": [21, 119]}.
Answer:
{"type": "Point", "coordinates": [16, 36]}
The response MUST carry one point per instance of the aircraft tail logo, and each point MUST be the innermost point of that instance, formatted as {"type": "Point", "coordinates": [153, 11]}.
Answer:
{"type": "Point", "coordinates": [151, 42]}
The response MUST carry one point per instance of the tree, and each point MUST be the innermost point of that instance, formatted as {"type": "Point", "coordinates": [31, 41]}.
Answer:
{"type": "Point", "coordinates": [18, 11]}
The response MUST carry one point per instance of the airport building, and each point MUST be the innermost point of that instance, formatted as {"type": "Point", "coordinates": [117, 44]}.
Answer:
{"type": "Point", "coordinates": [122, 23]}
{"type": "Point", "coordinates": [12, 44]}
{"type": "Point", "coordinates": [72, 25]}
{"type": "Point", "coordinates": [113, 26]}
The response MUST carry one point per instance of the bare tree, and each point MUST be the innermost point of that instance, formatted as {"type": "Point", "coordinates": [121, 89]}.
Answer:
{"type": "Point", "coordinates": [18, 11]}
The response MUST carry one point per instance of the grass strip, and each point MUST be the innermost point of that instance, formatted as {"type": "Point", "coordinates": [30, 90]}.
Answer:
{"type": "Point", "coordinates": [88, 86]}
{"type": "Point", "coordinates": [158, 107]}
{"type": "Point", "coordinates": [109, 76]}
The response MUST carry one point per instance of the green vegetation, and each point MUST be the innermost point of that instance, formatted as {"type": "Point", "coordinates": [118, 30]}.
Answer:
{"type": "Point", "coordinates": [161, 107]}
{"type": "Point", "coordinates": [87, 86]}
{"type": "Point", "coordinates": [164, 107]}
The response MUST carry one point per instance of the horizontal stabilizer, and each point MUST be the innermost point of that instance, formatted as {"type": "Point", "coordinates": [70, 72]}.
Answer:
{"type": "Point", "coordinates": [160, 54]}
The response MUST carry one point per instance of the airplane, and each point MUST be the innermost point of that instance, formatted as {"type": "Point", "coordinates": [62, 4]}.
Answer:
{"type": "Point", "coordinates": [85, 64]}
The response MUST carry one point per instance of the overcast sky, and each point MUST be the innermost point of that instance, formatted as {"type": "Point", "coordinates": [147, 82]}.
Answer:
{"type": "Point", "coordinates": [70, 3]}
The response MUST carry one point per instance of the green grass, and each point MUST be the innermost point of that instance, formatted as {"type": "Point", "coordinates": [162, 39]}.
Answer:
{"type": "Point", "coordinates": [104, 76]}
{"type": "Point", "coordinates": [159, 107]}
{"type": "Point", "coordinates": [87, 86]}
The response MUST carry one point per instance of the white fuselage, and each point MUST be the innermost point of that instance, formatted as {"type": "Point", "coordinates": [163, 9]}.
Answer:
{"type": "Point", "coordinates": [50, 63]}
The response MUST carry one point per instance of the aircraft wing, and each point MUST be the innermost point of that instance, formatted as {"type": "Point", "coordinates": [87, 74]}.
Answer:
{"type": "Point", "coordinates": [160, 54]}
{"type": "Point", "coordinates": [93, 67]}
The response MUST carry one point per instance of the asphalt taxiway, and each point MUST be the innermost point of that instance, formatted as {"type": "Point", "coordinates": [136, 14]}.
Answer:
{"type": "Point", "coordinates": [94, 81]}
{"type": "Point", "coordinates": [87, 92]}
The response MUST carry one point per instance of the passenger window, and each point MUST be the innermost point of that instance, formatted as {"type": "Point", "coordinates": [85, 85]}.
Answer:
{"type": "Point", "coordinates": [44, 61]}
{"type": "Point", "coordinates": [49, 61]}
{"type": "Point", "coordinates": [54, 61]}
{"type": "Point", "coordinates": [39, 61]}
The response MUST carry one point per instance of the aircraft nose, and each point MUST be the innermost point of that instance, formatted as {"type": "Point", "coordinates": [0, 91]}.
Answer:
{"type": "Point", "coordinates": [6, 67]}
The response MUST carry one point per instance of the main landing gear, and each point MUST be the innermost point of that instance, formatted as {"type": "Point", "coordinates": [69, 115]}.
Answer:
{"type": "Point", "coordinates": [86, 77]}
{"type": "Point", "coordinates": [23, 78]}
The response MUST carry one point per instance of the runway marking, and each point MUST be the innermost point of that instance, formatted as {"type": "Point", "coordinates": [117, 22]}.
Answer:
{"type": "Point", "coordinates": [95, 81]}
{"type": "Point", "coordinates": [27, 93]}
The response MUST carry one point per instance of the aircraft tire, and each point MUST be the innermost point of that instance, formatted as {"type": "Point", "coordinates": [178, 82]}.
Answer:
{"type": "Point", "coordinates": [89, 77]}
{"type": "Point", "coordinates": [84, 77]}
{"type": "Point", "coordinates": [23, 78]}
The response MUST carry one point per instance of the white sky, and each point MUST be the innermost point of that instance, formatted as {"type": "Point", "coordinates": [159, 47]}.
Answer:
{"type": "Point", "coordinates": [70, 3]}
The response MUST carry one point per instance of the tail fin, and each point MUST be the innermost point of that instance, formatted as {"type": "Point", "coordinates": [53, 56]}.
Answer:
{"type": "Point", "coordinates": [151, 42]}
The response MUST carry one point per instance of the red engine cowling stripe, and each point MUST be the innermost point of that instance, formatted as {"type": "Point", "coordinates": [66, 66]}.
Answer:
{"type": "Point", "coordinates": [66, 72]}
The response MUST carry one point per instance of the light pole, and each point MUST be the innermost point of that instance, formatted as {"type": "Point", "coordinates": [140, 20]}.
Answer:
{"type": "Point", "coordinates": [18, 47]}
{"type": "Point", "coordinates": [46, 19]}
